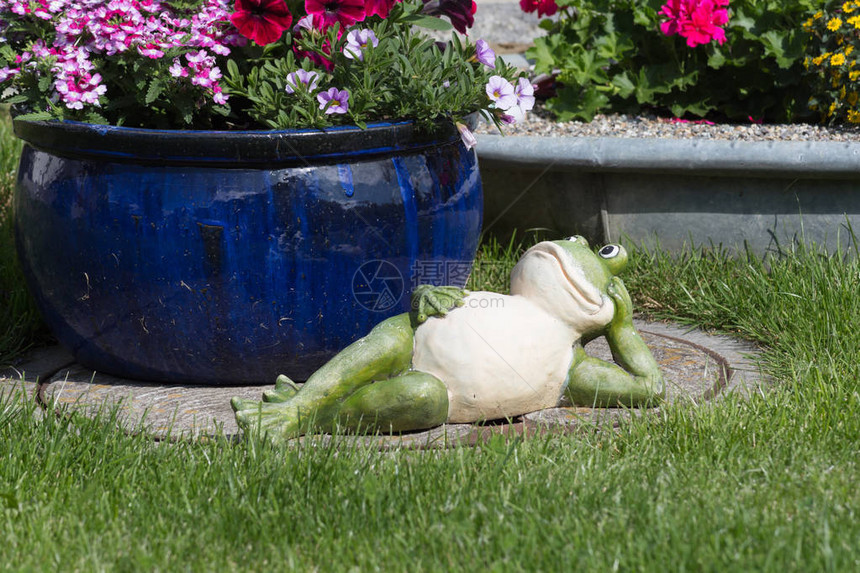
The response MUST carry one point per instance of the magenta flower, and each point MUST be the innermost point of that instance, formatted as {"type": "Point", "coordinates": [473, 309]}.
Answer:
{"type": "Point", "coordinates": [543, 7]}
{"type": "Point", "coordinates": [380, 8]}
{"type": "Point", "coordinates": [677, 12]}
{"type": "Point", "coordinates": [698, 21]}
{"type": "Point", "coordinates": [301, 77]}
{"type": "Point", "coordinates": [262, 21]}
{"type": "Point", "coordinates": [334, 101]}
{"type": "Point", "coordinates": [485, 54]}
{"type": "Point", "coordinates": [705, 24]}
{"type": "Point", "coordinates": [327, 12]}
{"type": "Point", "coordinates": [177, 70]}
{"type": "Point", "coordinates": [357, 41]}
{"type": "Point", "coordinates": [466, 136]}
{"type": "Point", "coordinates": [501, 93]}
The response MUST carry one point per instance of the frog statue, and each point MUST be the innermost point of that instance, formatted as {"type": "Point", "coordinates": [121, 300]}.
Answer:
{"type": "Point", "coordinates": [462, 356]}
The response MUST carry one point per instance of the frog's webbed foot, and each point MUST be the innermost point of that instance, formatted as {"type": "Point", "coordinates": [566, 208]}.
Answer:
{"type": "Point", "coordinates": [284, 390]}
{"type": "Point", "coordinates": [277, 421]}
{"type": "Point", "coordinates": [429, 300]}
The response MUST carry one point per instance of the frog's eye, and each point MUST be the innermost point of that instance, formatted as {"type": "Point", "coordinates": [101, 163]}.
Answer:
{"type": "Point", "coordinates": [609, 251]}
{"type": "Point", "coordinates": [577, 239]}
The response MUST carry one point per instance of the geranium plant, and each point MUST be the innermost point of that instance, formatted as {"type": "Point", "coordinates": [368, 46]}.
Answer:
{"type": "Point", "coordinates": [725, 59]}
{"type": "Point", "coordinates": [250, 64]}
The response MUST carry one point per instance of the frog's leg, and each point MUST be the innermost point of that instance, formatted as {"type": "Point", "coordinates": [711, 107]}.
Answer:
{"type": "Point", "coordinates": [385, 352]}
{"type": "Point", "coordinates": [638, 381]}
{"type": "Point", "coordinates": [412, 401]}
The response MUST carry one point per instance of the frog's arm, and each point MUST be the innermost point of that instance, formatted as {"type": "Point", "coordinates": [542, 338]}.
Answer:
{"type": "Point", "coordinates": [636, 379]}
{"type": "Point", "coordinates": [429, 300]}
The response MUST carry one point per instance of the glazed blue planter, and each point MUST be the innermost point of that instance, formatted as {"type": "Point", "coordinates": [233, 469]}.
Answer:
{"type": "Point", "coordinates": [231, 257]}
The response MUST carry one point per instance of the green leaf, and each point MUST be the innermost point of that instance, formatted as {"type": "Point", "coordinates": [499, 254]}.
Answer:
{"type": "Point", "coordinates": [547, 51]}
{"type": "Point", "coordinates": [232, 68]}
{"type": "Point", "coordinates": [623, 84]}
{"type": "Point", "coordinates": [36, 116]}
{"type": "Point", "coordinates": [716, 59]}
{"type": "Point", "coordinates": [156, 87]}
{"type": "Point", "coordinates": [19, 98]}
{"type": "Point", "coordinates": [97, 118]}
{"type": "Point", "coordinates": [429, 22]}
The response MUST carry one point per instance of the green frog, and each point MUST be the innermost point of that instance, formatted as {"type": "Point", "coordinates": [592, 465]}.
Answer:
{"type": "Point", "coordinates": [463, 356]}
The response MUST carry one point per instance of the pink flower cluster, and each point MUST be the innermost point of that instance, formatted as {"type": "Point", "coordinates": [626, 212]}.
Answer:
{"type": "Point", "coordinates": [90, 30]}
{"type": "Point", "coordinates": [699, 21]}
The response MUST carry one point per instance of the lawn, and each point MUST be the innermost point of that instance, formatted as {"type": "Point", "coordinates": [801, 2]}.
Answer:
{"type": "Point", "coordinates": [769, 483]}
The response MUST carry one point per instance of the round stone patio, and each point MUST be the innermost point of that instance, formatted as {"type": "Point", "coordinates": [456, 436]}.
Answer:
{"type": "Point", "coordinates": [698, 367]}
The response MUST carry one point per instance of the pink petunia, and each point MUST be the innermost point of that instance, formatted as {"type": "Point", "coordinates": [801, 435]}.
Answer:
{"type": "Point", "coordinates": [328, 12]}
{"type": "Point", "coordinates": [543, 7]}
{"type": "Point", "coordinates": [379, 8]}
{"type": "Point", "coordinates": [263, 21]}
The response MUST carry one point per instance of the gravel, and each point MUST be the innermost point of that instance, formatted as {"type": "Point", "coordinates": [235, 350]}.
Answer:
{"type": "Point", "coordinates": [540, 122]}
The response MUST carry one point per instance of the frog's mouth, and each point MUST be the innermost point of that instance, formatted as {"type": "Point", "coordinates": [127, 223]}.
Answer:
{"type": "Point", "coordinates": [580, 288]}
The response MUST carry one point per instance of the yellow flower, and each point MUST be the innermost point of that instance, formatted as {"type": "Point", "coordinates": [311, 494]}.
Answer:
{"type": "Point", "coordinates": [807, 26]}
{"type": "Point", "coordinates": [848, 7]}
{"type": "Point", "coordinates": [834, 24]}
{"type": "Point", "coordinates": [854, 75]}
{"type": "Point", "coordinates": [848, 49]}
{"type": "Point", "coordinates": [832, 109]}
{"type": "Point", "coordinates": [852, 98]}
{"type": "Point", "coordinates": [817, 60]}
{"type": "Point", "coordinates": [837, 60]}
{"type": "Point", "coordinates": [854, 21]}
{"type": "Point", "coordinates": [817, 15]}
{"type": "Point", "coordinates": [842, 93]}
{"type": "Point", "coordinates": [853, 116]}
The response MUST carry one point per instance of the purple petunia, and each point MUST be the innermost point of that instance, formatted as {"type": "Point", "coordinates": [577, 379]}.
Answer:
{"type": "Point", "coordinates": [501, 93]}
{"type": "Point", "coordinates": [466, 136]}
{"type": "Point", "coordinates": [301, 77]}
{"type": "Point", "coordinates": [357, 41]}
{"type": "Point", "coordinates": [334, 101]}
{"type": "Point", "coordinates": [525, 93]}
{"type": "Point", "coordinates": [485, 54]}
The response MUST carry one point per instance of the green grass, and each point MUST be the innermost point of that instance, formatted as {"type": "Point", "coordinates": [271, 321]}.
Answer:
{"type": "Point", "coordinates": [20, 324]}
{"type": "Point", "coordinates": [769, 483]}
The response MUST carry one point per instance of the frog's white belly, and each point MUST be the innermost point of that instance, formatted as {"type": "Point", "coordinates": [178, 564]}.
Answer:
{"type": "Point", "coordinates": [499, 356]}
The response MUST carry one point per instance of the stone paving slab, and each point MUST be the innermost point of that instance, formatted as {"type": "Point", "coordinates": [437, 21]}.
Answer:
{"type": "Point", "coordinates": [163, 411]}
{"type": "Point", "coordinates": [698, 367]}
{"type": "Point", "coordinates": [14, 391]}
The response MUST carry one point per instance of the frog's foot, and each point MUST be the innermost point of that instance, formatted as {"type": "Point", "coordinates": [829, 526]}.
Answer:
{"type": "Point", "coordinates": [277, 421]}
{"type": "Point", "coordinates": [284, 390]}
{"type": "Point", "coordinates": [429, 300]}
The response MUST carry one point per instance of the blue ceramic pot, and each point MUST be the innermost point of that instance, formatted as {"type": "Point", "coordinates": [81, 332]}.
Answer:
{"type": "Point", "coordinates": [230, 257]}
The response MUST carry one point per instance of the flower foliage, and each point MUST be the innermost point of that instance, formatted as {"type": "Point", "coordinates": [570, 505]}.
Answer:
{"type": "Point", "coordinates": [725, 59]}
{"type": "Point", "coordinates": [833, 63]}
{"type": "Point", "coordinates": [244, 63]}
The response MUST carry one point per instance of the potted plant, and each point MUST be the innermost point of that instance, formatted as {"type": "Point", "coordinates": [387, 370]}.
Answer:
{"type": "Point", "coordinates": [215, 192]}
